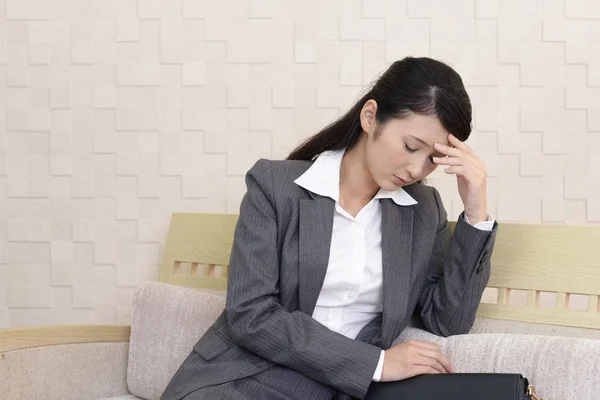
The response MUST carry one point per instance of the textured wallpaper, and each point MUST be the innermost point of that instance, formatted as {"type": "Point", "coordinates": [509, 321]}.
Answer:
{"type": "Point", "coordinates": [116, 113]}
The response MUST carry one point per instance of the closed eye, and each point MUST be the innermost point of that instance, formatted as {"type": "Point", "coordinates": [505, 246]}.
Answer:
{"type": "Point", "coordinates": [409, 149]}
{"type": "Point", "coordinates": [415, 150]}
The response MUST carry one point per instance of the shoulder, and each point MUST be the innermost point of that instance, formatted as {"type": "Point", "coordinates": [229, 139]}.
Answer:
{"type": "Point", "coordinates": [279, 170]}
{"type": "Point", "coordinates": [278, 176]}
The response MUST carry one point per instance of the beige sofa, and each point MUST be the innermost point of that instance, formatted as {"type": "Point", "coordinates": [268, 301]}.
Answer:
{"type": "Point", "coordinates": [168, 319]}
{"type": "Point", "coordinates": [556, 346]}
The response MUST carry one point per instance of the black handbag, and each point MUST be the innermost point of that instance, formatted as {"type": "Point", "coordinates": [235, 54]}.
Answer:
{"type": "Point", "coordinates": [455, 387]}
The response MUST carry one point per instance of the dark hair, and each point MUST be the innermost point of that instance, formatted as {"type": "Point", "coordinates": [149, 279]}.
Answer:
{"type": "Point", "coordinates": [419, 85]}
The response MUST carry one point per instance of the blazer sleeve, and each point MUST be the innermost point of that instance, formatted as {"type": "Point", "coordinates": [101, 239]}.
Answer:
{"type": "Point", "coordinates": [259, 323]}
{"type": "Point", "coordinates": [458, 274]}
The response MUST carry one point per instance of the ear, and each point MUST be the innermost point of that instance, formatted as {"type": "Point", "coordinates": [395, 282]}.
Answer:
{"type": "Point", "coordinates": [368, 120]}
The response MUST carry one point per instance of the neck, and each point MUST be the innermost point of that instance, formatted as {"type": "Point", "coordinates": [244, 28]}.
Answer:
{"type": "Point", "coordinates": [356, 181]}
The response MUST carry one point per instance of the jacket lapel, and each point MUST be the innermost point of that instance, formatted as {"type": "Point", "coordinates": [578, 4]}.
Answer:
{"type": "Point", "coordinates": [396, 247]}
{"type": "Point", "coordinates": [315, 230]}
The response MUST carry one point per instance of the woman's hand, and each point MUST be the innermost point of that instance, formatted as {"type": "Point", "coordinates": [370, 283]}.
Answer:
{"type": "Point", "coordinates": [471, 176]}
{"type": "Point", "coordinates": [413, 358]}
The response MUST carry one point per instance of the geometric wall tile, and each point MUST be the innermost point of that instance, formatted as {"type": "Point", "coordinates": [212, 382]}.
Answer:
{"type": "Point", "coordinates": [117, 114]}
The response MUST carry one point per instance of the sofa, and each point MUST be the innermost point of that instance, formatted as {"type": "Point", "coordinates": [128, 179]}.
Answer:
{"type": "Point", "coordinates": [553, 344]}
{"type": "Point", "coordinates": [167, 320]}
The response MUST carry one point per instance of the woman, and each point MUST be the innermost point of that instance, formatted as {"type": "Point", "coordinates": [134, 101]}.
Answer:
{"type": "Point", "coordinates": [338, 246]}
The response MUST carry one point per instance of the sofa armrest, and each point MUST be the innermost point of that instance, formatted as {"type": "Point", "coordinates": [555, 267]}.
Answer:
{"type": "Point", "coordinates": [64, 362]}
{"type": "Point", "coordinates": [560, 368]}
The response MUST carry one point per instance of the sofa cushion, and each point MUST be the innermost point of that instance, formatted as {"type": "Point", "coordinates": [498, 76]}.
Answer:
{"type": "Point", "coordinates": [560, 368]}
{"type": "Point", "coordinates": [65, 371]}
{"type": "Point", "coordinates": [488, 325]}
{"type": "Point", "coordinates": [167, 321]}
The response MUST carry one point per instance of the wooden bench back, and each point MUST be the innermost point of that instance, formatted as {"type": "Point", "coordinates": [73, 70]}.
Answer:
{"type": "Point", "coordinates": [542, 274]}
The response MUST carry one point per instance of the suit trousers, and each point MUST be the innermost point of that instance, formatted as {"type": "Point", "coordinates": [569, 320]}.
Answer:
{"type": "Point", "coordinates": [276, 383]}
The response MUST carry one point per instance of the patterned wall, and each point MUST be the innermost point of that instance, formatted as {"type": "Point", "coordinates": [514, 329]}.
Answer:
{"type": "Point", "coordinates": [118, 112]}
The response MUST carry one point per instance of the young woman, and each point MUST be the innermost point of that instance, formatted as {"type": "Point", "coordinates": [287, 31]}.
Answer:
{"type": "Point", "coordinates": [338, 246]}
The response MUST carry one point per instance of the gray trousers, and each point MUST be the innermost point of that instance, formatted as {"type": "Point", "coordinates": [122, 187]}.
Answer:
{"type": "Point", "coordinates": [277, 383]}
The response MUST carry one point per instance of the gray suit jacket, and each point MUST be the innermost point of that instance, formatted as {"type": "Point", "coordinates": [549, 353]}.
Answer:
{"type": "Point", "coordinates": [277, 267]}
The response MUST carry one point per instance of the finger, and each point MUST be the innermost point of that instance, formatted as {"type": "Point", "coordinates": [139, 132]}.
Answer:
{"type": "Point", "coordinates": [448, 160]}
{"type": "Point", "coordinates": [461, 150]}
{"type": "Point", "coordinates": [426, 345]}
{"type": "Point", "coordinates": [433, 363]}
{"type": "Point", "coordinates": [434, 359]}
{"type": "Point", "coordinates": [423, 370]}
{"type": "Point", "coordinates": [465, 147]}
{"type": "Point", "coordinates": [446, 363]}
{"type": "Point", "coordinates": [454, 141]}
{"type": "Point", "coordinates": [440, 358]}
{"type": "Point", "coordinates": [463, 165]}
{"type": "Point", "coordinates": [456, 170]}
{"type": "Point", "coordinates": [449, 151]}
{"type": "Point", "coordinates": [471, 172]}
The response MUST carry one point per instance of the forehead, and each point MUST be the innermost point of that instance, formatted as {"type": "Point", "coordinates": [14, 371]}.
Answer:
{"type": "Point", "coordinates": [425, 127]}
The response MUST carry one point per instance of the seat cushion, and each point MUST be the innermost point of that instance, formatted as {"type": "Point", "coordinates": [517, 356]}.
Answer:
{"type": "Point", "coordinates": [167, 321]}
{"type": "Point", "coordinates": [65, 371]}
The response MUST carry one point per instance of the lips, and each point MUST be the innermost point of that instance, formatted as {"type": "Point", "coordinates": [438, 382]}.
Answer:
{"type": "Point", "coordinates": [400, 181]}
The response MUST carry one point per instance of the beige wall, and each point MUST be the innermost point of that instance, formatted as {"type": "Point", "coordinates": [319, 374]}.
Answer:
{"type": "Point", "coordinates": [119, 112]}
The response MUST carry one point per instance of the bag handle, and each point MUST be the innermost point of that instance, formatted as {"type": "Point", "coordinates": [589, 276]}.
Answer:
{"type": "Point", "coordinates": [531, 393]}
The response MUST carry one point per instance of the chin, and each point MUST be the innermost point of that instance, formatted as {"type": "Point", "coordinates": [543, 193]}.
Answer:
{"type": "Point", "coordinates": [389, 186]}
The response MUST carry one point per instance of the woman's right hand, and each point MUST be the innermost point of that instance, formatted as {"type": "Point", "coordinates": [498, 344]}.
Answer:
{"type": "Point", "coordinates": [413, 358]}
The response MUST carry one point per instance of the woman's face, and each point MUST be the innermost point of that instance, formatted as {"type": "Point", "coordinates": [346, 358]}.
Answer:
{"type": "Point", "coordinates": [401, 152]}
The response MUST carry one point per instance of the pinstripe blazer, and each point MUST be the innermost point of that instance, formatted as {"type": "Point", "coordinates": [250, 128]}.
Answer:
{"type": "Point", "coordinates": [277, 267]}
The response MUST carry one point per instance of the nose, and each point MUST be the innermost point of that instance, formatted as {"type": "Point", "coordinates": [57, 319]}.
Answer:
{"type": "Point", "coordinates": [414, 171]}
{"type": "Point", "coordinates": [419, 169]}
